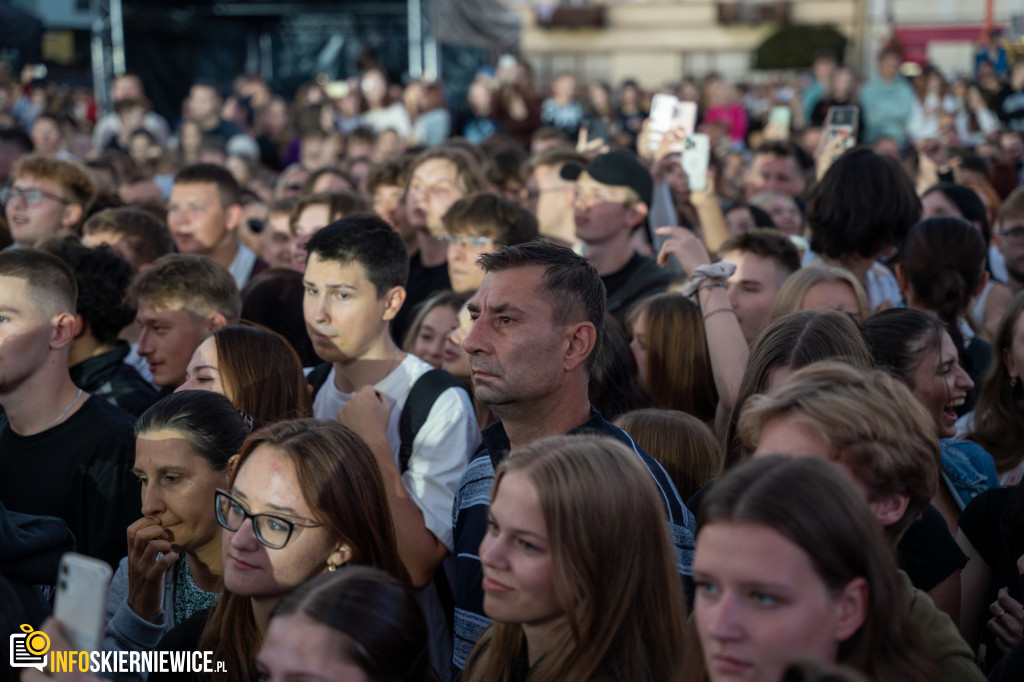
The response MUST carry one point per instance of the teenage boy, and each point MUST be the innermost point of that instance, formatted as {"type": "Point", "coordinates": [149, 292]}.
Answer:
{"type": "Point", "coordinates": [354, 279]}
{"type": "Point", "coordinates": [204, 214]}
{"type": "Point", "coordinates": [63, 452]}
{"type": "Point", "coordinates": [49, 196]}
{"type": "Point", "coordinates": [179, 300]}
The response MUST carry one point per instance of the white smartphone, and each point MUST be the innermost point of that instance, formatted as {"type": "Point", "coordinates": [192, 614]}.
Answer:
{"type": "Point", "coordinates": [81, 602]}
{"type": "Point", "coordinates": [684, 117]}
{"type": "Point", "coordinates": [779, 122]}
{"type": "Point", "coordinates": [695, 159]}
{"type": "Point", "coordinates": [663, 107]}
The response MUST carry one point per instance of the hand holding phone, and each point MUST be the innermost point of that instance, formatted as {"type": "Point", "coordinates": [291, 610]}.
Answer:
{"type": "Point", "coordinates": [695, 160]}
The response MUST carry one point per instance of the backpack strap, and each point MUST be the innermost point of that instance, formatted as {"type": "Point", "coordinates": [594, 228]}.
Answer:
{"type": "Point", "coordinates": [421, 399]}
{"type": "Point", "coordinates": [318, 376]}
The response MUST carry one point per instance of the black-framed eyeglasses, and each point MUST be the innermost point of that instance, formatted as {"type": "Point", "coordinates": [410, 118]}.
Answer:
{"type": "Point", "coordinates": [271, 530]}
{"type": "Point", "coordinates": [32, 195]}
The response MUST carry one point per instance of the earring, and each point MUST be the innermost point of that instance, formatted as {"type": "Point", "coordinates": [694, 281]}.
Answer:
{"type": "Point", "coordinates": [1013, 382]}
{"type": "Point", "coordinates": [331, 568]}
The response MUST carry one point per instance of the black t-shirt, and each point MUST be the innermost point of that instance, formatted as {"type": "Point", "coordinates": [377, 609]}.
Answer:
{"type": "Point", "coordinates": [423, 281]}
{"type": "Point", "coordinates": [79, 471]}
{"type": "Point", "coordinates": [928, 552]}
{"type": "Point", "coordinates": [988, 523]}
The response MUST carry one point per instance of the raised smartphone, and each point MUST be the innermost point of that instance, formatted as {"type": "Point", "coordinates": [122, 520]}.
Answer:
{"type": "Point", "coordinates": [695, 159]}
{"type": "Point", "coordinates": [81, 602]}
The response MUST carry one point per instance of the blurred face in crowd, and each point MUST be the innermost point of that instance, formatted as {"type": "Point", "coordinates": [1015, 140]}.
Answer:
{"type": "Point", "coordinates": [456, 359]}
{"type": "Point", "coordinates": [639, 347]}
{"type": "Point", "coordinates": [775, 173]}
{"type": "Point", "coordinates": [203, 103]}
{"type": "Point", "coordinates": [312, 218]}
{"type": "Point", "coordinates": [549, 197]}
{"type": "Point", "coordinates": [432, 336]}
{"type": "Point", "coordinates": [126, 87]}
{"type": "Point", "coordinates": [267, 483]}
{"type": "Point", "coordinates": [785, 214]}
{"type": "Point", "coordinates": [433, 187]}
{"type": "Point", "coordinates": [37, 208]}
{"type": "Point", "coordinates": [738, 220]}
{"type": "Point", "coordinates": [1010, 238]}
{"type": "Point", "coordinates": [47, 136]}
{"type": "Point", "coordinates": [889, 66]}
{"type": "Point", "coordinates": [518, 583]}
{"type": "Point", "coordinates": [760, 604]}
{"type": "Point", "coordinates": [463, 250]}
{"type": "Point", "coordinates": [198, 221]}
{"type": "Point", "coordinates": [169, 336]}
{"type": "Point", "coordinates": [752, 290]}
{"type": "Point", "coordinates": [276, 241]}
{"type": "Point", "coordinates": [178, 486]}
{"type": "Point", "coordinates": [602, 211]}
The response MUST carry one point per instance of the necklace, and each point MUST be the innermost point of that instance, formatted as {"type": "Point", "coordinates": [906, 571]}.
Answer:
{"type": "Point", "coordinates": [62, 414]}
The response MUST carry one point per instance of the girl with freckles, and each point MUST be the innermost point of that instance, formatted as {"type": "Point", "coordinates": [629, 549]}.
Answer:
{"type": "Point", "coordinates": [579, 571]}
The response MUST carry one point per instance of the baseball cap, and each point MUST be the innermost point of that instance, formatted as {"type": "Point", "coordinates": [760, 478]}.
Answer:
{"type": "Point", "coordinates": [617, 168]}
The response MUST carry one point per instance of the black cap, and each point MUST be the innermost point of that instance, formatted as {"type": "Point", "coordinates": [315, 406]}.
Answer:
{"type": "Point", "coordinates": [617, 168]}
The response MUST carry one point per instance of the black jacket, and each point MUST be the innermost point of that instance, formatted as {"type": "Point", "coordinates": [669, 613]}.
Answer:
{"type": "Point", "coordinates": [107, 376]}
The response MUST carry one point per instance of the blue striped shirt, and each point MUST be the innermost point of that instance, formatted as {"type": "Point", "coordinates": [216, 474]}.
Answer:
{"type": "Point", "coordinates": [469, 518]}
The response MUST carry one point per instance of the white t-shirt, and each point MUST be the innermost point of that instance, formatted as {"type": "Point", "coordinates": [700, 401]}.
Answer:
{"type": "Point", "coordinates": [442, 447]}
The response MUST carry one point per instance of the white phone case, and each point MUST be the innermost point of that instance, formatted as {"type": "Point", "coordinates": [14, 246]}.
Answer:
{"type": "Point", "coordinates": [81, 602]}
{"type": "Point", "coordinates": [696, 155]}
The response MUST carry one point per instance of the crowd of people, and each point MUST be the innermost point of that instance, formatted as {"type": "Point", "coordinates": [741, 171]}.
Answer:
{"type": "Point", "coordinates": [349, 387]}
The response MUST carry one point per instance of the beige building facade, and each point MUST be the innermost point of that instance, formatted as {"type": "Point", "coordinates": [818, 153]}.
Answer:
{"type": "Point", "coordinates": [659, 41]}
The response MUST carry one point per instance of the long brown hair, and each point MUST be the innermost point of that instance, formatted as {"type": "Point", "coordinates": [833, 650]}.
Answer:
{"type": "Point", "coordinates": [342, 485]}
{"type": "Point", "coordinates": [262, 373]}
{"type": "Point", "coordinates": [619, 588]}
{"type": "Point", "coordinates": [679, 373]}
{"type": "Point", "coordinates": [999, 413]}
{"type": "Point", "coordinates": [816, 507]}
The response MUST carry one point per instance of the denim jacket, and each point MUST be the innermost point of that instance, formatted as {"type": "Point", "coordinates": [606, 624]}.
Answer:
{"type": "Point", "coordinates": [967, 469]}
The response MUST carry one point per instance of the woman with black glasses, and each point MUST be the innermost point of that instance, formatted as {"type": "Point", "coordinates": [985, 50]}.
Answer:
{"type": "Point", "coordinates": [306, 497]}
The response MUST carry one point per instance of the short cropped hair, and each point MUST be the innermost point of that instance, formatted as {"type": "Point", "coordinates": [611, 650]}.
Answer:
{"type": "Point", "coordinates": [50, 282]}
{"type": "Point", "coordinates": [863, 205]}
{"type": "Point", "coordinates": [103, 277]}
{"type": "Point", "coordinates": [72, 176]}
{"type": "Point", "coordinates": [468, 172]}
{"type": "Point", "coordinates": [491, 215]}
{"type": "Point", "coordinates": [575, 288]}
{"type": "Point", "coordinates": [369, 241]}
{"type": "Point", "coordinates": [228, 190]}
{"type": "Point", "coordinates": [148, 238]}
{"type": "Point", "coordinates": [766, 243]}
{"type": "Point", "coordinates": [871, 423]}
{"type": "Point", "coordinates": [197, 284]}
